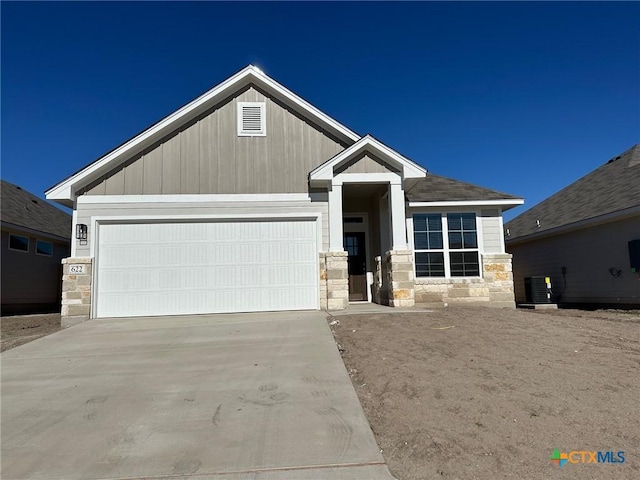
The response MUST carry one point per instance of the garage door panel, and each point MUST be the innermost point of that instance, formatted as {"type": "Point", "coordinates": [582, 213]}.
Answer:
{"type": "Point", "coordinates": [206, 267]}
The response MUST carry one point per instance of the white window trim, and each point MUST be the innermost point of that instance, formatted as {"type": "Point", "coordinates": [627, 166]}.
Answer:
{"type": "Point", "coordinates": [263, 119]}
{"type": "Point", "coordinates": [17, 249]}
{"type": "Point", "coordinates": [44, 254]}
{"type": "Point", "coordinates": [445, 243]}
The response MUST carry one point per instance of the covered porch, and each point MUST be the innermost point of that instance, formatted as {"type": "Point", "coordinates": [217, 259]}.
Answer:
{"type": "Point", "coordinates": [368, 259]}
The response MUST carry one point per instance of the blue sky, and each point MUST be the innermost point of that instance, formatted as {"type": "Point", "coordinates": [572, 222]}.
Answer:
{"type": "Point", "coordinates": [515, 96]}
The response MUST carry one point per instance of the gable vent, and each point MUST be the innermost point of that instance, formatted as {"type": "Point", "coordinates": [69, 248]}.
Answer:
{"type": "Point", "coordinates": [251, 119]}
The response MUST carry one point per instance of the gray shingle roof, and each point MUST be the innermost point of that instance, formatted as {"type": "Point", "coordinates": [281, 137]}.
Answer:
{"type": "Point", "coordinates": [434, 188]}
{"type": "Point", "coordinates": [24, 209]}
{"type": "Point", "coordinates": [610, 188]}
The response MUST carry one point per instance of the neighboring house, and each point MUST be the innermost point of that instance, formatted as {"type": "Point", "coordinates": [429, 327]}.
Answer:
{"type": "Point", "coordinates": [585, 237]}
{"type": "Point", "coordinates": [35, 238]}
{"type": "Point", "coordinates": [251, 199]}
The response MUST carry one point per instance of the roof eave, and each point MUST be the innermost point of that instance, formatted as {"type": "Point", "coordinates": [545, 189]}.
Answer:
{"type": "Point", "coordinates": [64, 192]}
{"type": "Point", "coordinates": [568, 227]}
{"type": "Point", "coordinates": [325, 172]}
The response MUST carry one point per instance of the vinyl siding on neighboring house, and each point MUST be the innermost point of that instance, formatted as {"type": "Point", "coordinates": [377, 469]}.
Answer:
{"type": "Point", "coordinates": [587, 254]}
{"type": "Point", "coordinates": [29, 278]}
{"type": "Point", "coordinates": [207, 156]}
{"type": "Point", "coordinates": [122, 211]}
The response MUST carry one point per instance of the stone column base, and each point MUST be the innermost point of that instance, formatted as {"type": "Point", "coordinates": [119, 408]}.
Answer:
{"type": "Point", "coordinates": [336, 280]}
{"type": "Point", "coordinates": [498, 276]}
{"type": "Point", "coordinates": [76, 291]}
{"type": "Point", "coordinates": [400, 278]}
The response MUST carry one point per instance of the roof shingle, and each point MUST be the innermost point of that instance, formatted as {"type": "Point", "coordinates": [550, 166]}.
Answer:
{"type": "Point", "coordinates": [24, 209]}
{"type": "Point", "coordinates": [434, 188]}
{"type": "Point", "coordinates": [610, 188]}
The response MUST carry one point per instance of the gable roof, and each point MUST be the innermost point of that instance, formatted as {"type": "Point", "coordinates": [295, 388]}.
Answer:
{"type": "Point", "coordinates": [611, 188]}
{"type": "Point", "coordinates": [64, 192]}
{"type": "Point", "coordinates": [367, 143]}
{"type": "Point", "coordinates": [435, 189]}
{"type": "Point", "coordinates": [23, 209]}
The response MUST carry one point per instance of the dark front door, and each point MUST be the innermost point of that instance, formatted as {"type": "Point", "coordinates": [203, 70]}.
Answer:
{"type": "Point", "coordinates": [357, 261]}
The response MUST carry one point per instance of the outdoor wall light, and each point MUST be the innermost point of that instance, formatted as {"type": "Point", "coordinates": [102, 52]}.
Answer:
{"type": "Point", "coordinates": [81, 233]}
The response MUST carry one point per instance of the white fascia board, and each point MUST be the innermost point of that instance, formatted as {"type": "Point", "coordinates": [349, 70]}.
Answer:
{"type": "Point", "coordinates": [66, 189]}
{"type": "Point", "coordinates": [409, 169]}
{"type": "Point", "coordinates": [368, 143]}
{"type": "Point", "coordinates": [391, 178]}
{"type": "Point", "coordinates": [194, 198]}
{"type": "Point", "coordinates": [475, 203]}
{"type": "Point", "coordinates": [299, 102]}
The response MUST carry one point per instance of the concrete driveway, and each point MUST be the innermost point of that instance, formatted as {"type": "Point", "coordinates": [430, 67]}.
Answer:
{"type": "Point", "coordinates": [196, 397]}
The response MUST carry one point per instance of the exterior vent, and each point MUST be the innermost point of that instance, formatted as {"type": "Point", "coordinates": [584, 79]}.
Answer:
{"type": "Point", "coordinates": [251, 119]}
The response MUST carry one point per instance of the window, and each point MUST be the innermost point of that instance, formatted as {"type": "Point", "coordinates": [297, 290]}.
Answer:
{"type": "Point", "coordinates": [463, 237]}
{"type": "Point", "coordinates": [427, 239]}
{"type": "Point", "coordinates": [19, 243]}
{"type": "Point", "coordinates": [44, 248]}
{"type": "Point", "coordinates": [251, 119]}
{"type": "Point", "coordinates": [446, 246]}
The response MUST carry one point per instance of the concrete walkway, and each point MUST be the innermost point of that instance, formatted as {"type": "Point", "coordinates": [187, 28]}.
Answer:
{"type": "Point", "coordinates": [230, 397]}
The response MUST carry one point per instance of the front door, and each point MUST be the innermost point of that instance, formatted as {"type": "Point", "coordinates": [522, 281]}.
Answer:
{"type": "Point", "coordinates": [357, 262]}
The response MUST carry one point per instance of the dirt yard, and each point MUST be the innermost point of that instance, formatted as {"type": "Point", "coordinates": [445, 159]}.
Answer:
{"type": "Point", "coordinates": [481, 393]}
{"type": "Point", "coordinates": [21, 329]}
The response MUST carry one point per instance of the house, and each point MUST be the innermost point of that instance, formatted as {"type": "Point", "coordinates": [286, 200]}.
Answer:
{"type": "Point", "coordinates": [586, 237]}
{"type": "Point", "coordinates": [251, 199]}
{"type": "Point", "coordinates": [35, 238]}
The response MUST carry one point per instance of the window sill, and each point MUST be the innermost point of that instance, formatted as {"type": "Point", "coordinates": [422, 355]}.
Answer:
{"type": "Point", "coordinates": [447, 280]}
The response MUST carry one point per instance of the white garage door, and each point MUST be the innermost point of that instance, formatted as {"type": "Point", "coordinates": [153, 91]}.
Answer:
{"type": "Point", "coordinates": [213, 267]}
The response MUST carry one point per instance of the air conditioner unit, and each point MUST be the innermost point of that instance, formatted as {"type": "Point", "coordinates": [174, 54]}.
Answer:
{"type": "Point", "coordinates": [537, 289]}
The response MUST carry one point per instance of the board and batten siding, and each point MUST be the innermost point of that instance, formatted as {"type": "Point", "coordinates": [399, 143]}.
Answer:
{"type": "Point", "coordinates": [587, 254]}
{"type": "Point", "coordinates": [86, 213]}
{"type": "Point", "coordinates": [366, 163]}
{"type": "Point", "coordinates": [207, 156]}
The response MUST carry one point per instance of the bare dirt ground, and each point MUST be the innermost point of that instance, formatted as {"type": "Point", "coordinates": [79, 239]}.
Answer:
{"type": "Point", "coordinates": [481, 393]}
{"type": "Point", "coordinates": [20, 329]}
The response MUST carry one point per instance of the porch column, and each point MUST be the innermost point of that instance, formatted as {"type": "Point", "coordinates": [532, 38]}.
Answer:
{"type": "Point", "coordinates": [336, 273]}
{"type": "Point", "coordinates": [336, 240]}
{"type": "Point", "coordinates": [398, 223]}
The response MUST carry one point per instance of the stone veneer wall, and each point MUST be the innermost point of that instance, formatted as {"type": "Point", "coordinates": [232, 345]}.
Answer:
{"type": "Point", "coordinates": [323, 281]}
{"type": "Point", "coordinates": [494, 289]}
{"type": "Point", "coordinates": [380, 294]}
{"type": "Point", "coordinates": [400, 281]}
{"type": "Point", "coordinates": [76, 292]}
{"type": "Point", "coordinates": [334, 278]}
{"type": "Point", "coordinates": [498, 274]}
